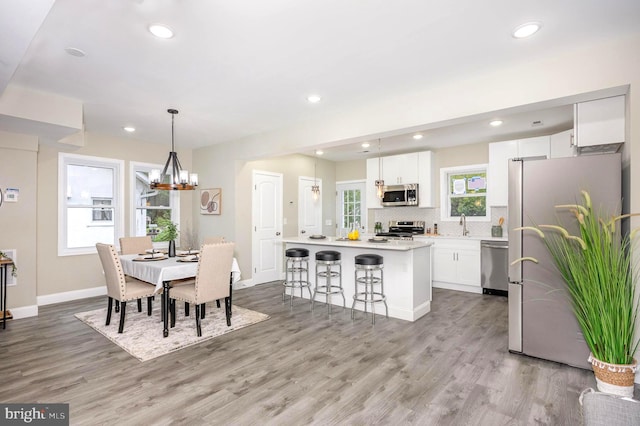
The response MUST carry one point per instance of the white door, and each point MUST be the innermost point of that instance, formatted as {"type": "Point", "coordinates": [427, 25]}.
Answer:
{"type": "Point", "coordinates": [267, 226]}
{"type": "Point", "coordinates": [309, 210]}
{"type": "Point", "coordinates": [351, 206]}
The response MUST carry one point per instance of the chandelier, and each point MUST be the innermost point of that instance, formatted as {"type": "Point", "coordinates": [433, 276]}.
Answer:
{"type": "Point", "coordinates": [177, 177]}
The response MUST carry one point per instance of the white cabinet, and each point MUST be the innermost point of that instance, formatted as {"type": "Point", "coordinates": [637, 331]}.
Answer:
{"type": "Point", "coordinates": [426, 179]}
{"type": "Point", "coordinates": [400, 169]}
{"type": "Point", "coordinates": [456, 264]}
{"type": "Point", "coordinates": [600, 122]}
{"type": "Point", "coordinates": [416, 167]}
{"type": "Point", "coordinates": [561, 145]}
{"type": "Point", "coordinates": [373, 202]}
{"type": "Point", "coordinates": [499, 155]}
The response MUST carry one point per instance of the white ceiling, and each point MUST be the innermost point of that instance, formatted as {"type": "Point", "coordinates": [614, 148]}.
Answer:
{"type": "Point", "coordinates": [240, 68]}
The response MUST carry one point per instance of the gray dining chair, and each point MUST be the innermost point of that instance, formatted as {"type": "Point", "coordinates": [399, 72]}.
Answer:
{"type": "Point", "coordinates": [211, 282]}
{"type": "Point", "coordinates": [121, 287]}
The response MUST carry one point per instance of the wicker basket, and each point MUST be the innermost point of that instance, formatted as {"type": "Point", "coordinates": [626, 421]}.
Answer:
{"type": "Point", "coordinates": [614, 378]}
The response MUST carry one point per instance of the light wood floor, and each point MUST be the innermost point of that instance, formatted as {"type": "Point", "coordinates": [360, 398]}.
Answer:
{"type": "Point", "coordinates": [299, 367]}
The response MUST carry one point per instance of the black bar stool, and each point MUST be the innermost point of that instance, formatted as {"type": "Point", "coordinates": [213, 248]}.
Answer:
{"type": "Point", "coordinates": [329, 260]}
{"type": "Point", "coordinates": [297, 264]}
{"type": "Point", "coordinates": [369, 272]}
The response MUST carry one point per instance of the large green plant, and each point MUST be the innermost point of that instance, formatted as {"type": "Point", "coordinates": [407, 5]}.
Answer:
{"type": "Point", "coordinates": [596, 266]}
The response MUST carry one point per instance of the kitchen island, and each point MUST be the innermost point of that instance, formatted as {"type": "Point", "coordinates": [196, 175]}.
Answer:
{"type": "Point", "coordinates": [407, 272]}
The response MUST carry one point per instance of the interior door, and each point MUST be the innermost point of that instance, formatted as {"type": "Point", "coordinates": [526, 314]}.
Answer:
{"type": "Point", "coordinates": [309, 210]}
{"type": "Point", "coordinates": [267, 226]}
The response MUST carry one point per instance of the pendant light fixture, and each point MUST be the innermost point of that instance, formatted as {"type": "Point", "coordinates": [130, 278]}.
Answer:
{"type": "Point", "coordinates": [380, 181]}
{"type": "Point", "coordinates": [179, 178]}
{"type": "Point", "coordinates": [315, 189]}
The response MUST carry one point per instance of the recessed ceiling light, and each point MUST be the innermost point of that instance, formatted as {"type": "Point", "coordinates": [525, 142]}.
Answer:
{"type": "Point", "coordinates": [314, 99]}
{"type": "Point", "coordinates": [526, 30]}
{"type": "Point", "coordinates": [417, 136]}
{"type": "Point", "coordinates": [319, 152]}
{"type": "Point", "coordinates": [366, 145]}
{"type": "Point", "coordinates": [161, 31]}
{"type": "Point", "coordinates": [495, 123]}
{"type": "Point", "coordinates": [75, 52]}
{"type": "Point", "coordinates": [129, 129]}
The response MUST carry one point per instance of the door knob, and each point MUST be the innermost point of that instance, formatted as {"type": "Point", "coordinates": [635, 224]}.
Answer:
{"type": "Point", "coordinates": [303, 232]}
{"type": "Point", "coordinates": [277, 233]}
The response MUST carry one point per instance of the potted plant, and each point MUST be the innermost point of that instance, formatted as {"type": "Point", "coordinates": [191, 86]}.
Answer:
{"type": "Point", "coordinates": [596, 267]}
{"type": "Point", "coordinates": [169, 233]}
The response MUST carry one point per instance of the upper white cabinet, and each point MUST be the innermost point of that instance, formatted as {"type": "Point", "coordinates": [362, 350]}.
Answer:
{"type": "Point", "coordinates": [400, 169]}
{"type": "Point", "coordinates": [426, 179]}
{"type": "Point", "coordinates": [600, 122]}
{"type": "Point", "coordinates": [561, 144]}
{"type": "Point", "coordinates": [416, 167]}
{"type": "Point", "coordinates": [499, 155]}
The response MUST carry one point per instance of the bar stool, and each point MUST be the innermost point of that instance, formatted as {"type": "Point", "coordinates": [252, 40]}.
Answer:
{"type": "Point", "coordinates": [297, 263]}
{"type": "Point", "coordinates": [330, 261]}
{"type": "Point", "coordinates": [369, 272]}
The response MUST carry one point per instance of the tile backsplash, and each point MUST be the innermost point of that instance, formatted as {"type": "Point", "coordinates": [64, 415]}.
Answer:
{"type": "Point", "coordinates": [432, 216]}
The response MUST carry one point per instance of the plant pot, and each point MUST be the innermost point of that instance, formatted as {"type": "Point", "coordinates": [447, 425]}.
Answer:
{"type": "Point", "coordinates": [616, 379]}
{"type": "Point", "coordinates": [172, 248]}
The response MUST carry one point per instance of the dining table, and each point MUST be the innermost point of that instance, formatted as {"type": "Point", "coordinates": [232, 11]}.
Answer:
{"type": "Point", "coordinates": [161, 271]}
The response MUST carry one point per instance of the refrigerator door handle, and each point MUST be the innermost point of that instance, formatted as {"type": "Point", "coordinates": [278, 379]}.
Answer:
{"type": "Point", "coordinates": [515, 219]}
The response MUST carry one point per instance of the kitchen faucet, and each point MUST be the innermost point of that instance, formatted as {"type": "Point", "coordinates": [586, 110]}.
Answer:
{"type": "Point", "coordinates": [463, 222]}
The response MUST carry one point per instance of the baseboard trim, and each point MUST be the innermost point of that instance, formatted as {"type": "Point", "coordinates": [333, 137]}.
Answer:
{"type": "Point", "coordinates": [457, 287]}
{"type": "Point", "coordinates": [243, 284]}
{"type": "Point", "coordinates": [24, 312]}
{"type": "Point", "coordinates": [68, 296]}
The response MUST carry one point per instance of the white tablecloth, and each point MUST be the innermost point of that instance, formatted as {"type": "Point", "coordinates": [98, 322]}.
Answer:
{"type": "Point", "coordinates": [157, 271]}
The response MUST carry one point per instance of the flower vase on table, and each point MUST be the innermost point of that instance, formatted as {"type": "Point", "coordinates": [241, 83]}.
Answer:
{"type": "Point", "coordinates": [172, 248]}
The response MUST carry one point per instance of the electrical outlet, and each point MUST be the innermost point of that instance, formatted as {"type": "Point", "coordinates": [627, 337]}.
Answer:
{"type": "Point", "coordinates": [327, 222]}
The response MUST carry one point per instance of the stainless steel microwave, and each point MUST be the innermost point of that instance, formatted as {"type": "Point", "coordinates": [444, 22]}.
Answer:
{"type": "Point", "coordinates": [400, 195]}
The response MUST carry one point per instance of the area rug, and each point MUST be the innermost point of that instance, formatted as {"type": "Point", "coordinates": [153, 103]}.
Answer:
{"type": "Point", "coordinates": [142, 336]}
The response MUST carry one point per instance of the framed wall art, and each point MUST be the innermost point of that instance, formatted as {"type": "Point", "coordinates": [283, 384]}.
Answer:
{"type": "Point", "coordinates": [210, 201]}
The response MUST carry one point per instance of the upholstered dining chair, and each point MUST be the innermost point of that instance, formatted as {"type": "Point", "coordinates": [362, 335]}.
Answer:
{"type": "Point", "coordinates": [211, 283]}
{"type": "Point", "coordinates": [135, 245]}
{"type": "Point", "coordinates": [121, 287]}
{"type": "Point", "coordinates": [213, 240]}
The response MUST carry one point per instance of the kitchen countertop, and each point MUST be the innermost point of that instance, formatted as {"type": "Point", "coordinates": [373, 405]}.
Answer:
{"type": "Point", "coordinates": [460, 237]}
{"type": "Point", "coordinates": [398, 245]}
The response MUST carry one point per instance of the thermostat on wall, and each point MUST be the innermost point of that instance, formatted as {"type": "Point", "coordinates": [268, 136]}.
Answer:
{"type": "Point", "coordinates": [11, 195]}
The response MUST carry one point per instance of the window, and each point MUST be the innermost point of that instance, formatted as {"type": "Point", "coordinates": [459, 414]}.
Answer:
{"type": "Point", "coordinates": [464, 191]}
{"type": "Point", "coordinates": [89, 202]}
{"type": "Point", "coordinates": [152, 209]}
{"type": "Point", "coordinates": [102, 214]}
{"type": "Point", "coordinates": [351, 205]}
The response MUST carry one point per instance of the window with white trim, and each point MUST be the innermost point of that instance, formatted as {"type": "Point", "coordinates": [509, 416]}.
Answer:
{"type": "Point", "coordinates": [152, 208]}
{"type": "Point", "coordinates": [351, 205]}
{"type": "Point", "coordinates": [464, 191]}
{"type": "Point", "coordinates": [90, 200]}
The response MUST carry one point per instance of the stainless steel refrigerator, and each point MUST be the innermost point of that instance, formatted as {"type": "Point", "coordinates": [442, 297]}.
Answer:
{"type": "Point", "coordinates": [541, 323]}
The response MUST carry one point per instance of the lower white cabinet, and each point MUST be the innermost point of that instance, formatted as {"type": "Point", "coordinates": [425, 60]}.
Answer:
{"type": "Point", "coordinates": [456, 264]}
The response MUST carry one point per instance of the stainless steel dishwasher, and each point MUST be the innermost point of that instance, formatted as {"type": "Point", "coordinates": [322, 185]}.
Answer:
{"type": "Point", "coordinates": [494, 258]}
